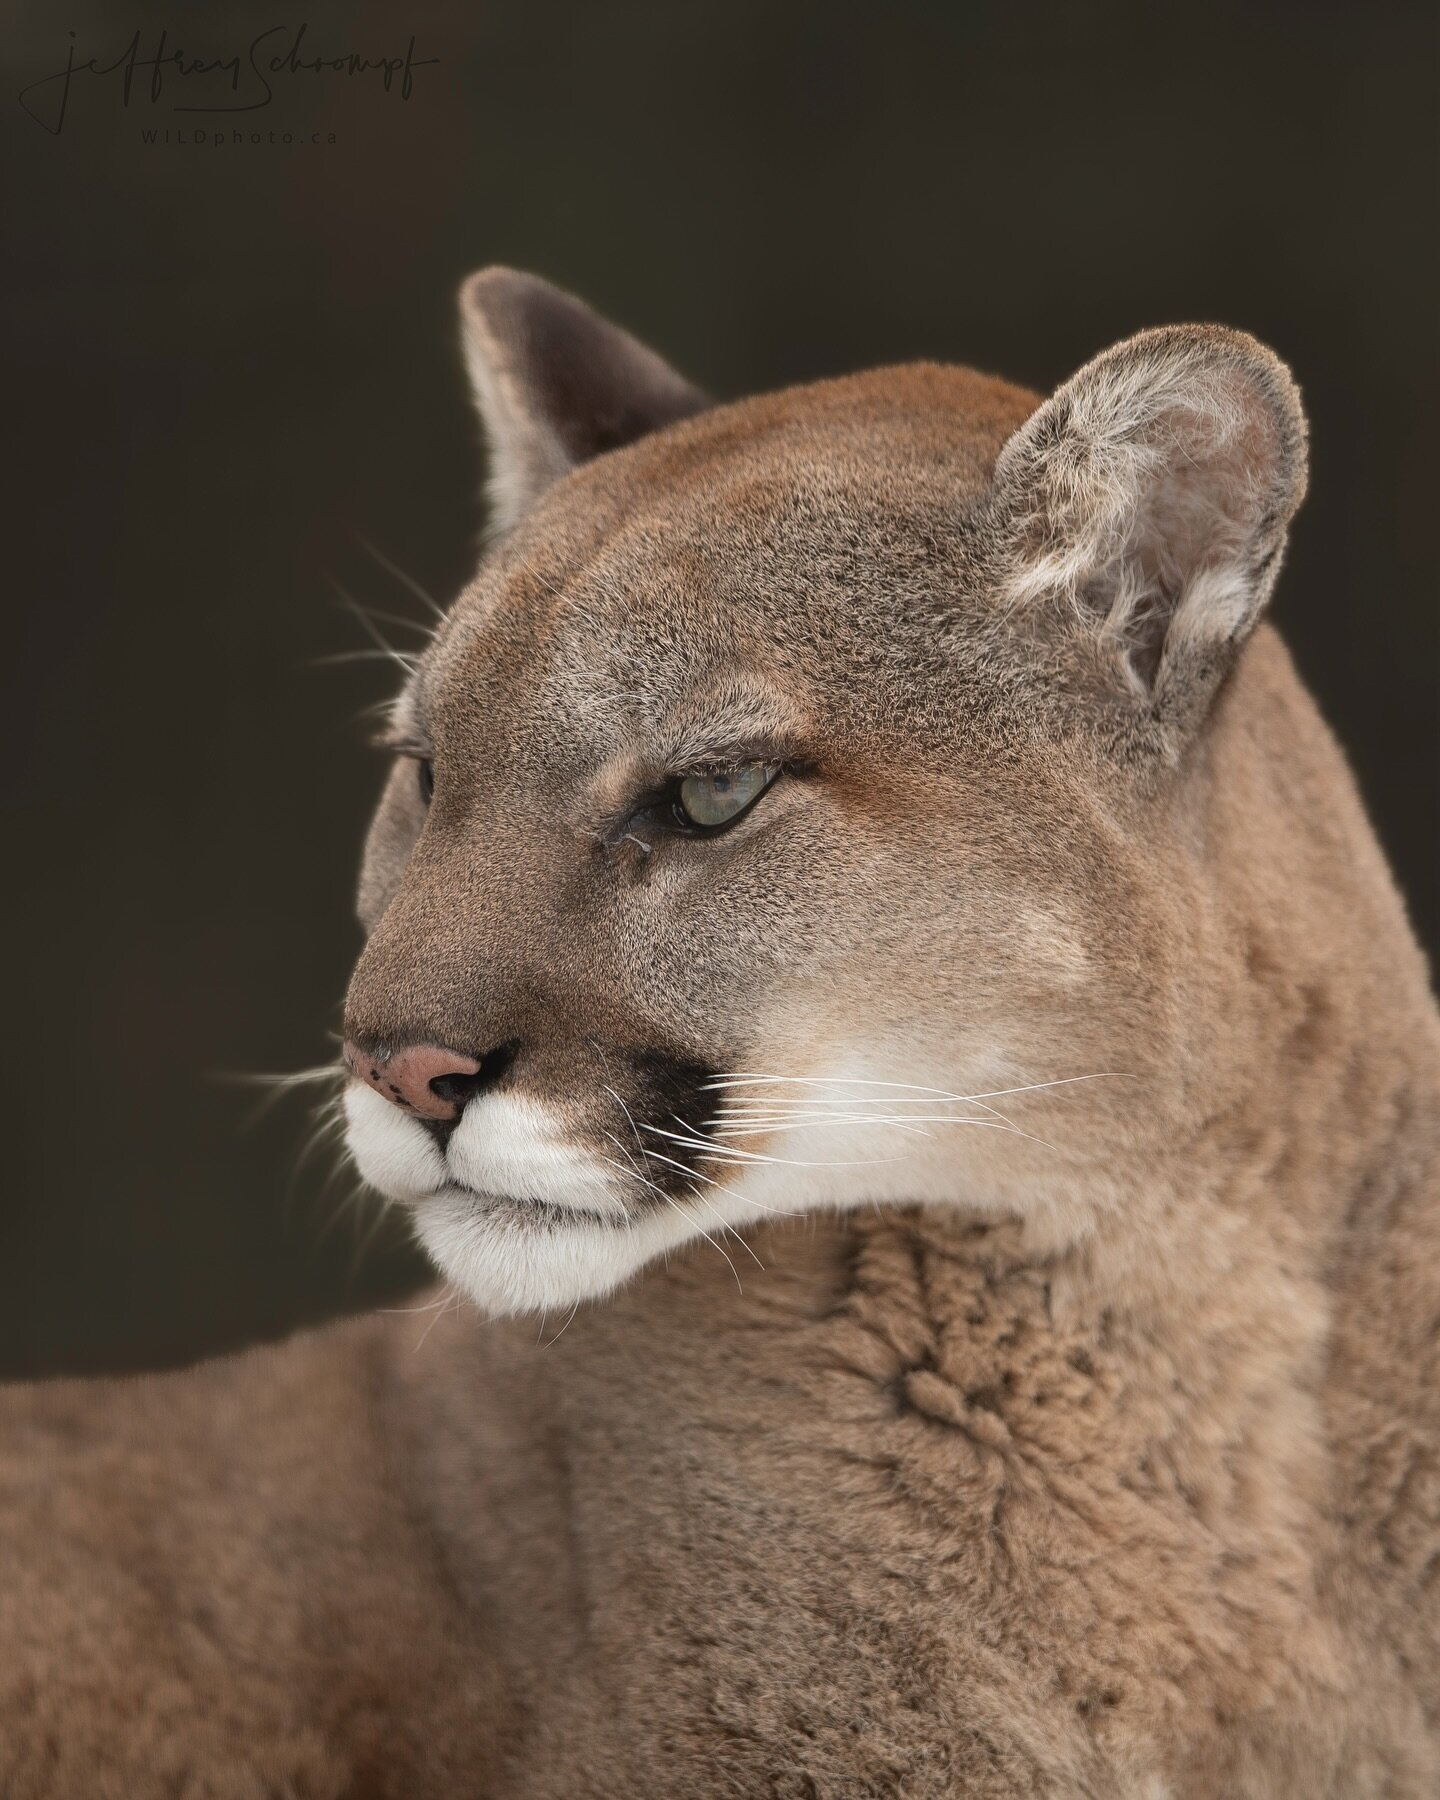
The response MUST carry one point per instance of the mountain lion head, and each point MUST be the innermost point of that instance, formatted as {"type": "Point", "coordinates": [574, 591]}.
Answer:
{"type": "Point", "coordinates": [814, 801]}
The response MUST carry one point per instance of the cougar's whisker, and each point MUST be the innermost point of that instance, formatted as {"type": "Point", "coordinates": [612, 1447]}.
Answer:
{"type": "Point", "coordinates": [406, 581]}
{"type": "Point", "coordinates": [334, 658]}
{"type": "Point", "coordinates": [564, 1328]}
{"type": "Point", "coordinates": [754, 1156]}
{"type": "Point", "coordinates": [407, 664]}
{"type": "Point", "coordinates": [749, 1078]}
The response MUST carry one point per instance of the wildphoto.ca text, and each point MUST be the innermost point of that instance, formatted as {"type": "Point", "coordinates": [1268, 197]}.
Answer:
{"type": "Point", "coordinates": [153, 136]}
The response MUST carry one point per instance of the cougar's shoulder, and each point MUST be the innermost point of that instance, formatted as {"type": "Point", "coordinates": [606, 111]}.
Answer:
{"type": "Point", "coordinates": [215, 1582]}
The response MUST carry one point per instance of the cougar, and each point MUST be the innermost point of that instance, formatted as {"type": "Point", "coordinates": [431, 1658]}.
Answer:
{"type": "Point", "coordinates": [882, 1001]}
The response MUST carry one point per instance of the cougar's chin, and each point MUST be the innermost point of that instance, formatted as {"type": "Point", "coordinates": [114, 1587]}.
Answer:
{"type": "Point", "coordinates": [512, 1256]}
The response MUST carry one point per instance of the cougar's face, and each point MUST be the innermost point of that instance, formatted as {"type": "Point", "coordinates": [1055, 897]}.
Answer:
{"type": "Point", "coordinates": [653, 900]}
{"type": "Point", "coordinates": [713, 879]}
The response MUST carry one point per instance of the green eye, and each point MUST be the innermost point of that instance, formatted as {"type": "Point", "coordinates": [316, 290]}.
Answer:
{"type": "Point", "coordinates": [708, 802]}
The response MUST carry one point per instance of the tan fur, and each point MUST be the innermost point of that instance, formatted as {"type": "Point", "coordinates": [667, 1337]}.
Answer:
{"type": "Point", "coordinates": [1111, 1468]}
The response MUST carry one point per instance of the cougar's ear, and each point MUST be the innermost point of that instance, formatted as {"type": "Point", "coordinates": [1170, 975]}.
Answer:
{"type": "Point", "coordinates": [1144, 508]}
{"type": "Point", "coordinates": [556, 384]}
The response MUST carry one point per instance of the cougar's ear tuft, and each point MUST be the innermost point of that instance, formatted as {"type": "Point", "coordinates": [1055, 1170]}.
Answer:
{"type": "Point", "coordinates": [556, 384]}
{"type": "Point", "coordinates": [1145, 507]}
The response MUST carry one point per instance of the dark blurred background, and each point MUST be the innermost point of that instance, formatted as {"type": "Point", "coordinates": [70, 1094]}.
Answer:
{"type": "Point", "coordinates": [231, 367]}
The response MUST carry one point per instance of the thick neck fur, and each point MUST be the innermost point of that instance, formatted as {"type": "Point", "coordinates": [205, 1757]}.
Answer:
{"type": "Point", "coordinates": [1090, 1521]}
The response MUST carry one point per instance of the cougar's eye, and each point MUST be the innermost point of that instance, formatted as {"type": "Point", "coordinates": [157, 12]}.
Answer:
{"type": "Point", "coordinates": [710, 802]}
{"type": "Point", "coordinates": [427, 779]}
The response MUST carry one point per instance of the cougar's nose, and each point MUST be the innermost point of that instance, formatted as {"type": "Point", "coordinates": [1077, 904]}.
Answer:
{"type": "Point", "coordinates": [431, 1082]}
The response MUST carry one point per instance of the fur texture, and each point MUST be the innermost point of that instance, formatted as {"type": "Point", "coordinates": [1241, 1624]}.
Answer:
{"type": "Point", "coordinates": [1074, 1432]}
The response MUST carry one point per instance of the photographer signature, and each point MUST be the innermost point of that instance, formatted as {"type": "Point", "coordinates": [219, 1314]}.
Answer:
{"type": "Point", "coordinates": [250, 73]}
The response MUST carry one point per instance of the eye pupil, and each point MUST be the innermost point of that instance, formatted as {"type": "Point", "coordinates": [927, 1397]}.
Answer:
{"type": "Point", "coordinates": [427, 779]}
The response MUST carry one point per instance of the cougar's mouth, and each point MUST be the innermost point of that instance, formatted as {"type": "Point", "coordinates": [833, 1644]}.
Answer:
{"type": "Point", "coordinates": [547, 1212]}
{"type": "Point", "coordinates": [526, 1205]}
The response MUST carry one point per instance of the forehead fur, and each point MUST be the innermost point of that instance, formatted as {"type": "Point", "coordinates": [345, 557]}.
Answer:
{"type": "Point", "coordinates": [728, 560]}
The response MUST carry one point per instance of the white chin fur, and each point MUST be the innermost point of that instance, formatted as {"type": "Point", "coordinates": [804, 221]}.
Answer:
{"type": "Point", "coordinates": [520, 1258]}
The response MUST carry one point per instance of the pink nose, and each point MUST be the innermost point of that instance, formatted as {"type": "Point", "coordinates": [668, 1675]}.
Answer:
{"type": "Point", "coordinates": [424, 1079]}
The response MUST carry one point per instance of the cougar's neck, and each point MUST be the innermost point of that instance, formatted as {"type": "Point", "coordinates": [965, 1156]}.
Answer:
{"type": "Point", "coordinates": [1319, 1041]}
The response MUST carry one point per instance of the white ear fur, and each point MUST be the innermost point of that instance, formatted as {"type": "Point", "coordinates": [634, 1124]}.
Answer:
{"type": "Point", "coordinates": [1150, 496]}
{"type": "Point", "coordinates": [555, 384]}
